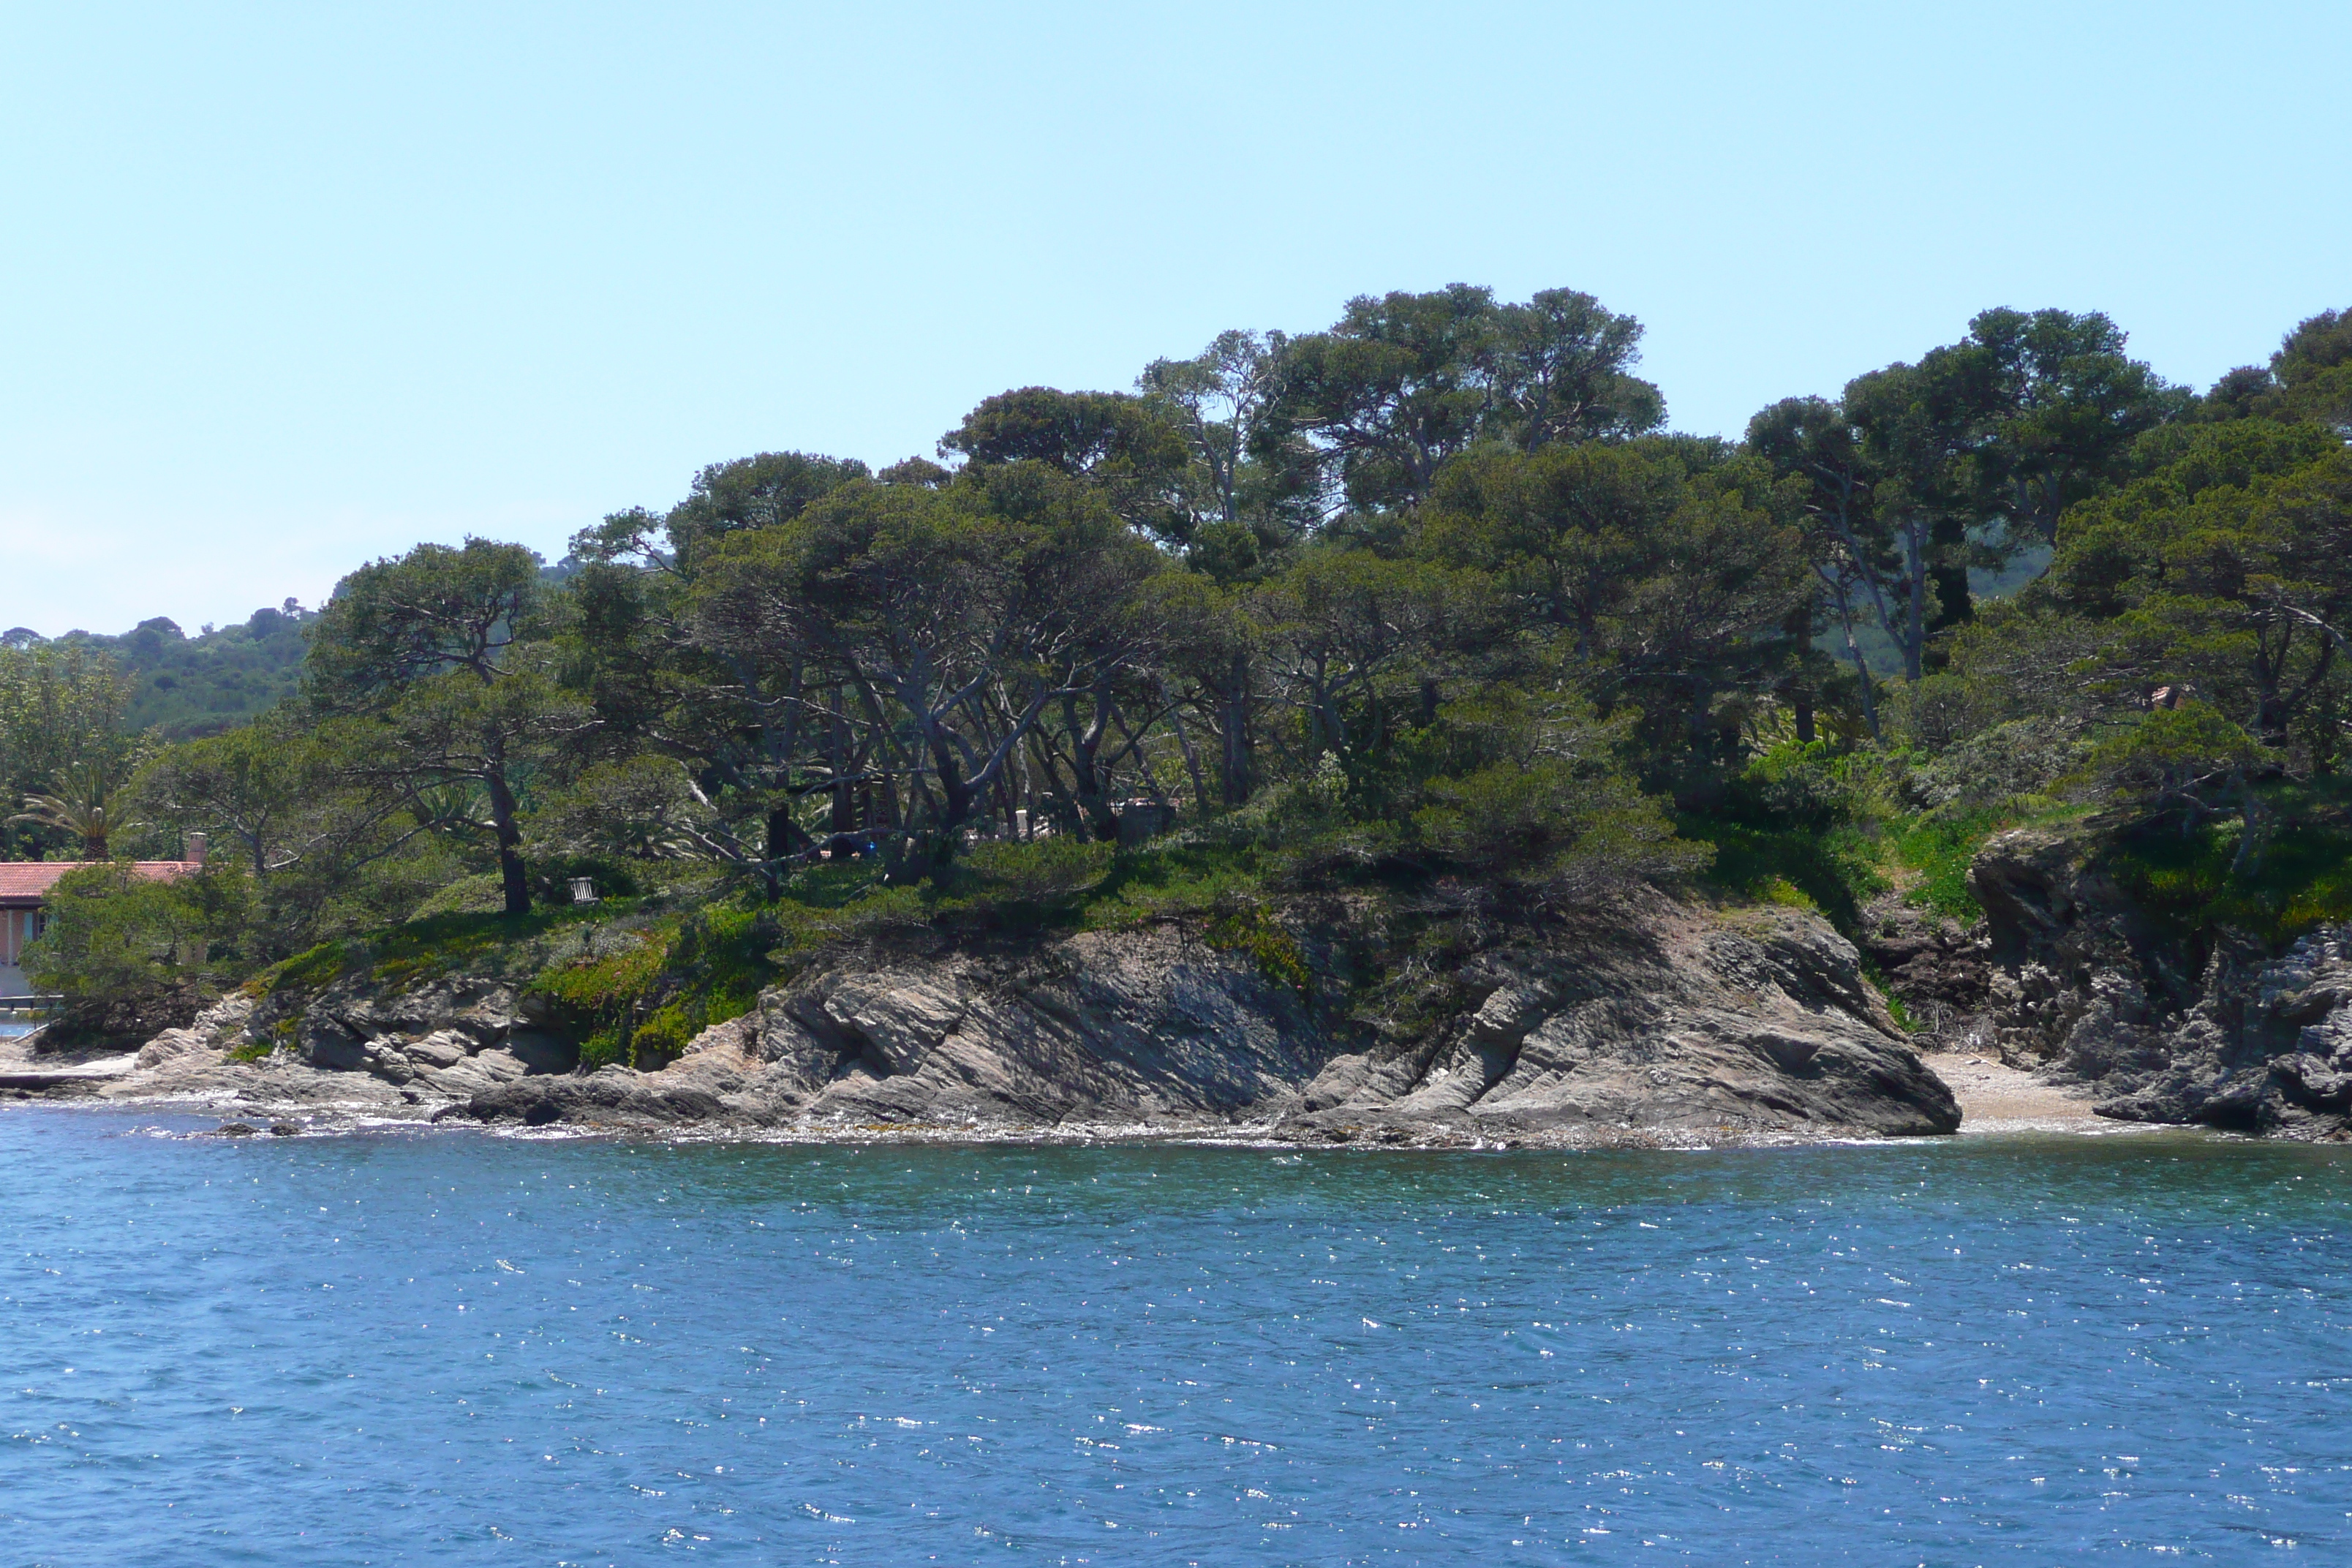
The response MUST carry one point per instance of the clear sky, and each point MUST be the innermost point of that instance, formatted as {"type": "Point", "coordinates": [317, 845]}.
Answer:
{"type": "Point", "coordinates": [283, 287]}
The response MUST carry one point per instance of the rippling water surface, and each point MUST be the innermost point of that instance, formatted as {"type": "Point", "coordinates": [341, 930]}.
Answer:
{"type": "Point", "coordinates": [446, 1347]}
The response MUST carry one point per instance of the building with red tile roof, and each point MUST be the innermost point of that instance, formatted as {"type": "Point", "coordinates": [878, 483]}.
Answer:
{"type": "Point", "coordinates": [24, 887]}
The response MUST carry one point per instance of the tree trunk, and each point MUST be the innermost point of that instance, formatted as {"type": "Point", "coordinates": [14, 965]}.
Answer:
{"type": "Point", "coordinates": [511, 877]}
{"type": "Point", "coordinates": [1192, 761]}
{"type": "Point", "coordinates": [786, 839]}
{"type": "Point", "coordinates": [1914, 639]}
{"type": "Point", "coordinates": [1844, 601]}
{"type": "Point", "coordinates": [1085, 747]}
{"type": "Point", "coordinates": [955, 807]}
{"type": "Point", "coordinates": [2255, 820]}
{"type": "Point", "coordinates": [1237, 747]}
{"type": "Point", "coordinates": [845, 799]}
{"type": "Point", "coordinates": [1064, 812]}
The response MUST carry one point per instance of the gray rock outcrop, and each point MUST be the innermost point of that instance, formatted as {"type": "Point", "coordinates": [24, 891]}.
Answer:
{"type": "Point", "coordinates": [1938, 966]}
{"type": "Point", "coordinates": [1136, 1028]}
{"type": "Point", "coordinates": [2085, 987]}
{"type": "Point", "coordinates": [1760, 1024]}
{"type": "Point", "coordinates": [353, 1045]}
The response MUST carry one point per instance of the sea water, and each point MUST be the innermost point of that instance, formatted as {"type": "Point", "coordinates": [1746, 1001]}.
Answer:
{"type": "Point", "coordinates": [408, 1347]}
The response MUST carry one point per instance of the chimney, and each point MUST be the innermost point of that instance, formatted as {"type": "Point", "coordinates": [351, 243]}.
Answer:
{"type": "Point", "coordinates": [196, 849]}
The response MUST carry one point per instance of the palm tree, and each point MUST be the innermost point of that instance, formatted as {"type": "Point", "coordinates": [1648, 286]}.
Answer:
{"type": "Point", "coordinates": [84, 806]}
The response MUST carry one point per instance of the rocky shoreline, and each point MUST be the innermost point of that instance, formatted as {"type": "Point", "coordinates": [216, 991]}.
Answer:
{"type": "Point", "coordinates": [1665, 1023]}
{"type": "Point", "coordinates": [2069, 979]}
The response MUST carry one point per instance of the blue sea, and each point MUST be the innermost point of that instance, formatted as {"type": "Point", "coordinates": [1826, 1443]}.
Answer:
{"type": "Point", "coordinates": [429, 1347]}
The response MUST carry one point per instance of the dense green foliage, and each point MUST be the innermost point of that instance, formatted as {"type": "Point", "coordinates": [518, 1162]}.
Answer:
{"type": "Point", "coordinates": [183, 686]}
{"type": "Point", "coordinates": [65, 750]}
{"type": "Point", "coordinates": [2197, 882]}
{"type": "Point", "coordinates": [1428, 611]}
{"type": "Point", "coordinates": [128, 954]}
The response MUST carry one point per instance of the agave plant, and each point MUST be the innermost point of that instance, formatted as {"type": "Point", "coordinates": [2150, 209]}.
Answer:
{"type": "Point", "coordinates": [84, 805]}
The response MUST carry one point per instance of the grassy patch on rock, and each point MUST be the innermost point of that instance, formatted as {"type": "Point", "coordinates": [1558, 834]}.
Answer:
{"type": "Point", "coordinates": [637, 997]}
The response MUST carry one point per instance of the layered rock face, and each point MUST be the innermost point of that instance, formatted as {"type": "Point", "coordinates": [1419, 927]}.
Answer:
{"type": "Point", "coordinates": [1676, 1022]}
{"type": "Point", "coordinates": [2082, 984]}
{"type": "Point", "coordinates": [1133, 1028]}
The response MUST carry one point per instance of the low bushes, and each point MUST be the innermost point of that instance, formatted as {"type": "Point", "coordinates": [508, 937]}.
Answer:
{"type": "Point", "coordinates": [2299, 879]}
{"type": "Point", "coordinates": [643, 999]}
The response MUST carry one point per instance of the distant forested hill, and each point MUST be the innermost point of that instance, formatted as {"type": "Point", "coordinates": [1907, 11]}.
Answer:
{"type": "Point", "coordinates": [189, 686]}
{"type": "Point", "coordinates": [185, 687]}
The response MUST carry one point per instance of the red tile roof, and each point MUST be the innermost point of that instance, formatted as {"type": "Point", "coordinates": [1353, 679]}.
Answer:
{"type": "Point", "coordinates": [26, 882]}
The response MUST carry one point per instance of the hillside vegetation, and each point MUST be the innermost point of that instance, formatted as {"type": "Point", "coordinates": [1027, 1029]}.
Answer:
{"type": "Point", "coordinates": [1427, 622]}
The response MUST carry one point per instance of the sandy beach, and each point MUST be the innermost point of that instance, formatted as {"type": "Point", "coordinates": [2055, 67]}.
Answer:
{"type": "Point", "coordinates": [1997, 1098]}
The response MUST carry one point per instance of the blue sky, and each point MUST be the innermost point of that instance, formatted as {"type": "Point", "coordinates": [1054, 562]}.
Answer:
{"type": "Point", "coordinates": [283, 287]}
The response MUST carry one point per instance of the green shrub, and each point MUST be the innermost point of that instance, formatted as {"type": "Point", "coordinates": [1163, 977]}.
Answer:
{"type": "Point", "coordinates": [2303, 880]}
{"type": "Point", "coordinates": [1547, 820]}
{"type": "Point", "coordinates": [481, 894]}
{"type": "Point", "coordinates": [831, 884]}
{"type": "Point", "coordinates": [663, 1037]}
{"type": "Point", "coordinates": [641, 1003]}
{"type": "Point", "coordinates": [2175, 760]}
{"type": "Point", "coordinates": [1175, 880]}
{"type": "Point", "coordinates": [593, 999]}
{"type": "Point", "coordinates": [110, 934]}
{"type": "Point", "coordinates": [321, 965]}
{"type": "Point", "coordinates": [437, 945]}
{"type": "Point", "coordinates": [1942, 848]}
{"type": "Point", "coordinates": [1251, 930]}
{"type": "Point", "coordinates": [1837, 870]}
{"type": "Point", "coordinates": [2023, 757]}
{"type": "Point", "coordinates": [1793, 786]}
